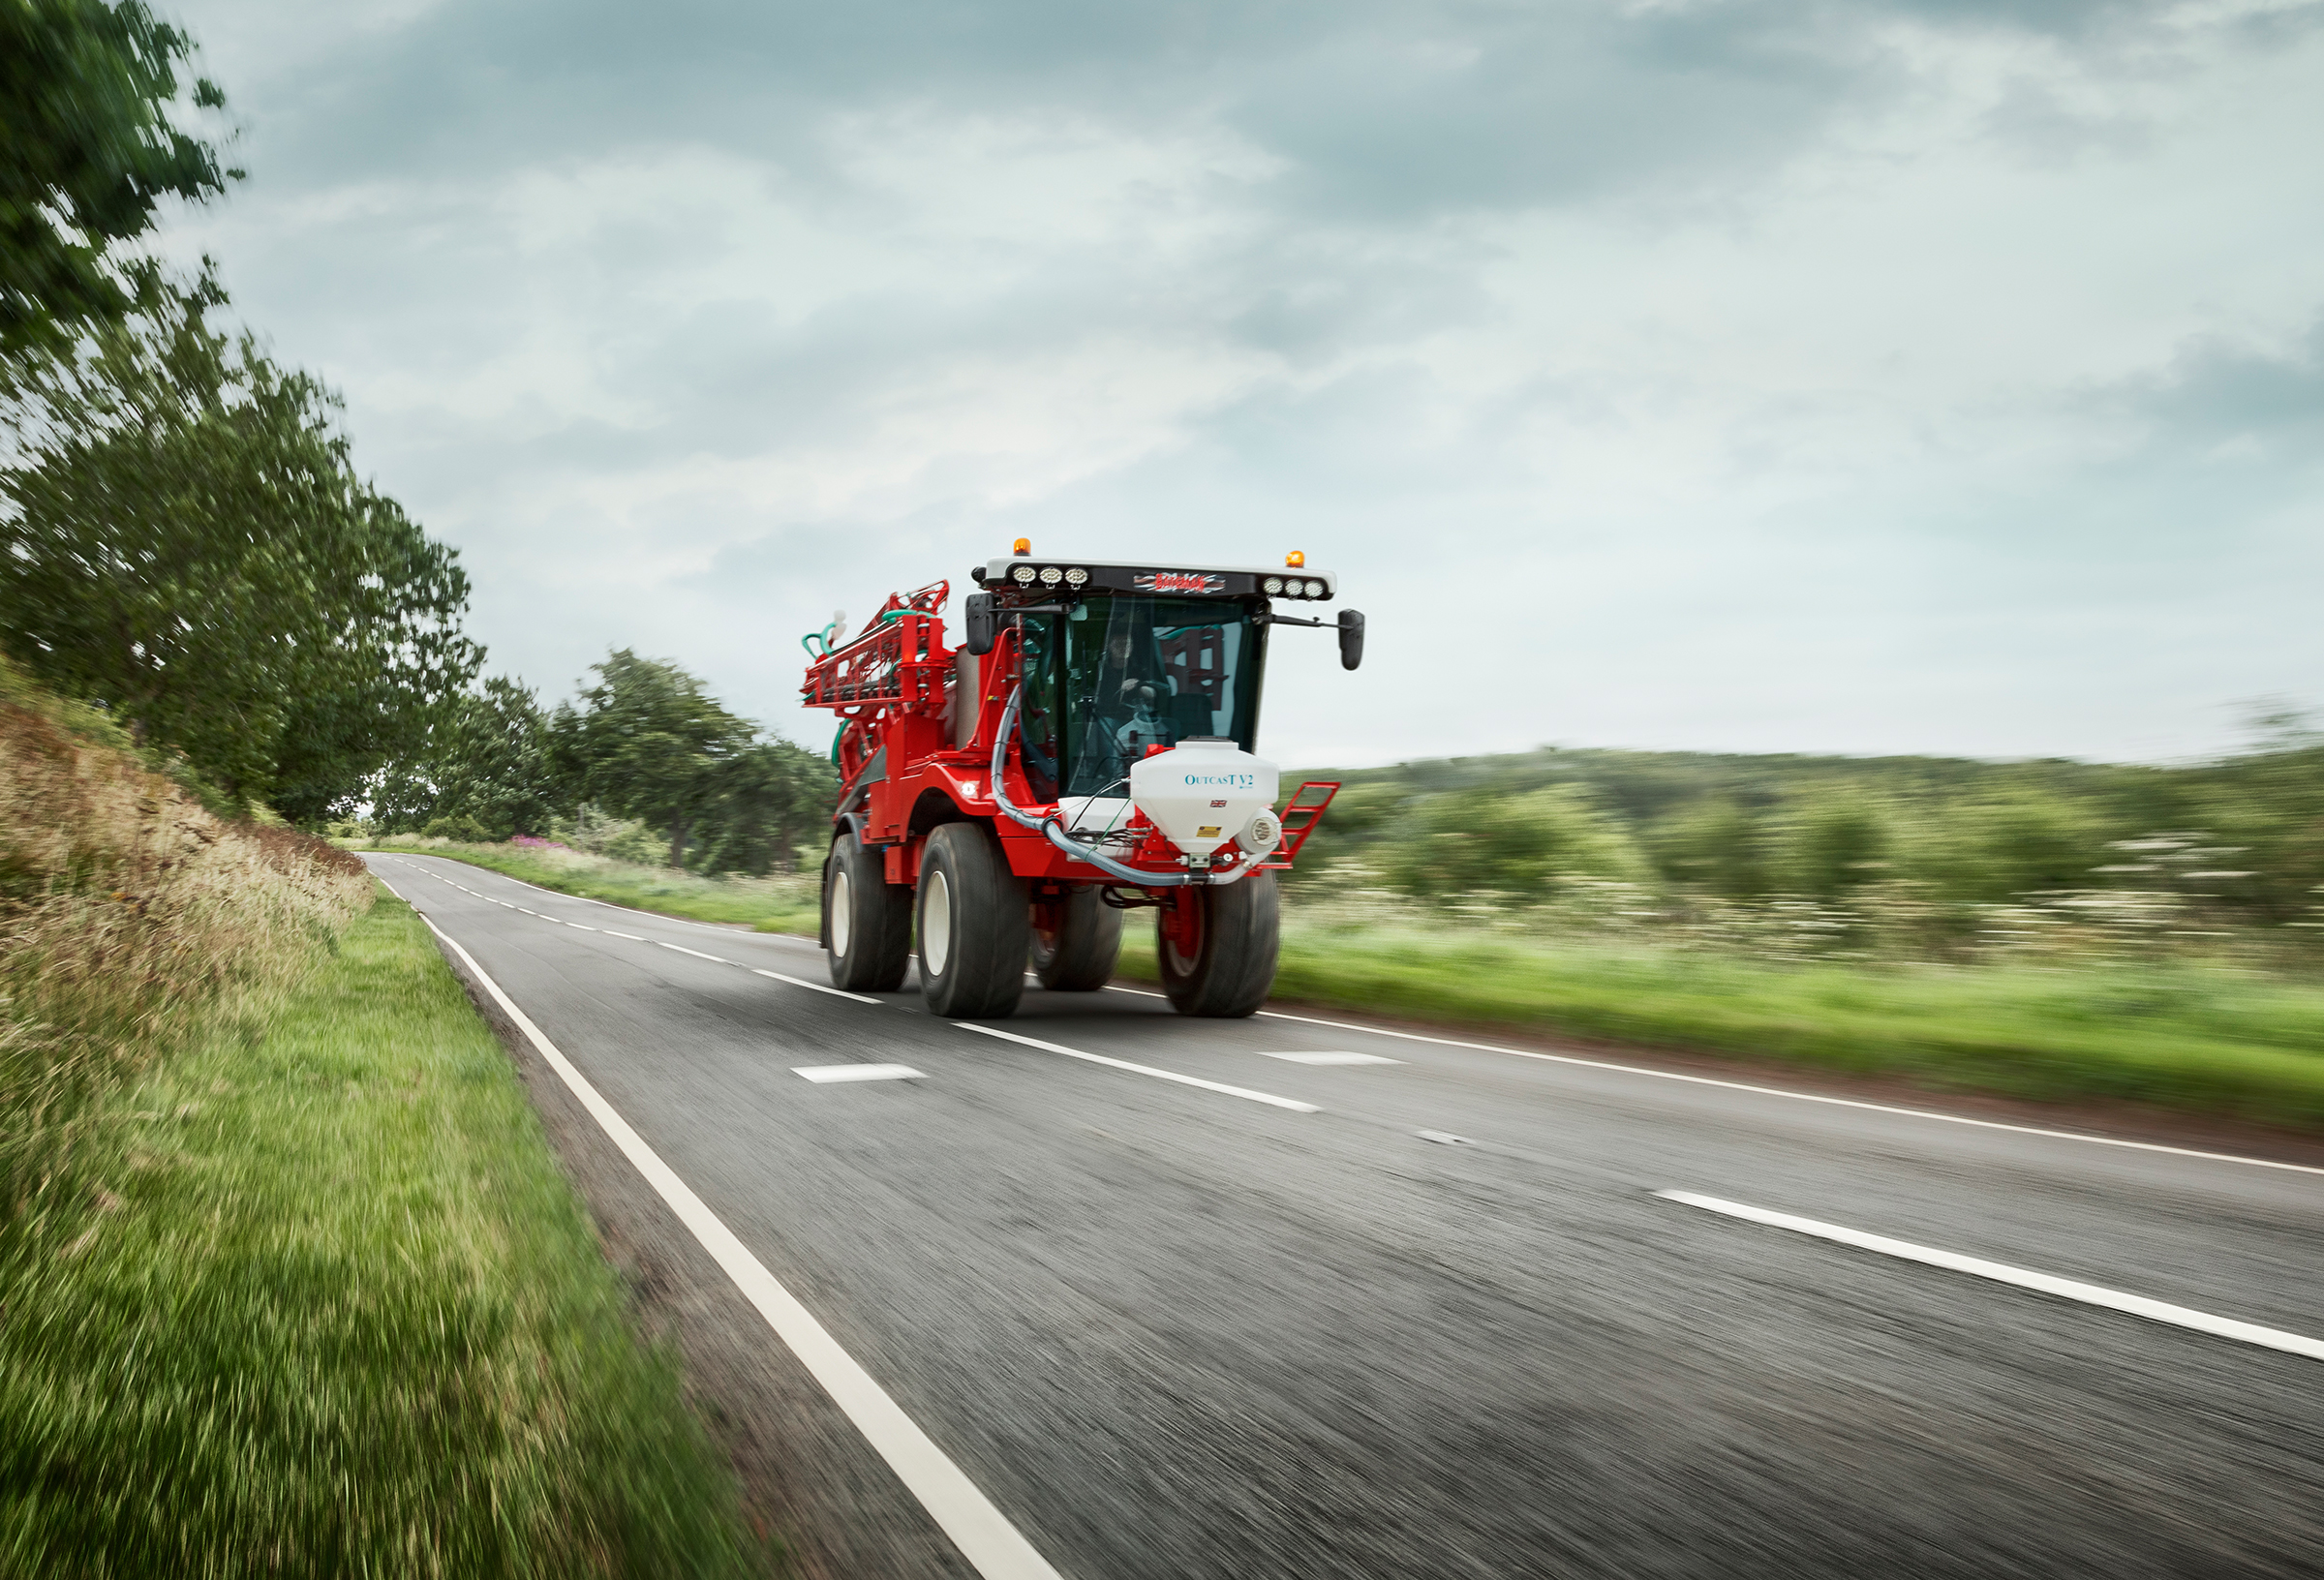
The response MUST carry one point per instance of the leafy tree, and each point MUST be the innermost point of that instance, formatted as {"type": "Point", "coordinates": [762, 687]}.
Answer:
{"type": "Point", "coordinates": [1483, 839]}
{"type": "Point", "coordinates": [767, 798]}
{"type": "Point", "coordinates": [184, 540]}
{"type": "Point", "coordinates": [87, 148]}
{"type": "Point", "coordinates": [1990, 848]}
{"type": "Point", "coordinates": [488, 760]}
{"type": "Point", "coordinates": [1712, 844]}
{"type": "Point", "coordinates": [1829, 843]}
{"type": "Point", "coordinates": [649, 741]}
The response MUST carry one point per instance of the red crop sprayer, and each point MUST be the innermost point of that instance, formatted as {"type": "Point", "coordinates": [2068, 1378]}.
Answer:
{"type": "Point", "coordinates": [1087, 750]}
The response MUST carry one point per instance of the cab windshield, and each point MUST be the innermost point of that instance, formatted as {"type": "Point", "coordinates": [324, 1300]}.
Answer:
{"type": "Point", "coordinates": [1116, 675]}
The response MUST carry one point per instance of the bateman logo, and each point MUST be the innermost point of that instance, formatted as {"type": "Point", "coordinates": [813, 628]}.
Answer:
{"type": "Point", "coordinates": [1178, 581]}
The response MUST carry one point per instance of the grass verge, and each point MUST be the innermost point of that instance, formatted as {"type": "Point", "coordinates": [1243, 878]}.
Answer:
{"type": "Point", "coordinates": [320, 1301]}
{"type": "Point", "coordinates": [2180, 1037]}
{"type": "Point", "coordinates": [784, 904]}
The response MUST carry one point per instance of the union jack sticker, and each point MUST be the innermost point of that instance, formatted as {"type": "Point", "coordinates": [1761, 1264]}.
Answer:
{"type": "Point", "coordinates": [1178, 581]}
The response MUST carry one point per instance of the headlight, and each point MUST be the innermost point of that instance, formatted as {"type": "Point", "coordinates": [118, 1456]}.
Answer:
{"type": "Point", "coordinates": [1075, 576]}
{"type": "Point", "coordinates": [1271, 586]}
{"type": "Point", "coordinates": [1315, 590]}
{"type": "Point", "coordinates": [1022, 575]}
{"type": "Point", "coordinates": [1051, 576]}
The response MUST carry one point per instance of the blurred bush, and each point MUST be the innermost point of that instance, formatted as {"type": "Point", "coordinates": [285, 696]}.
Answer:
{"type": "Point", "coordinates": [1889, 860]}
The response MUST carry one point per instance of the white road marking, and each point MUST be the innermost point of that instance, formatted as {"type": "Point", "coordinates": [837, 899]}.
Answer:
{"type": "Point", "coordinates": [632, 936]}
{"type": "Point", "coordinates": [995, 1548]}
{"type": "Point", "coordinates": [1444, 1137]}
{"type": "Point", "coordinates": [695, 953]}
{"type": "Point", "coordinates": [2136, 1305]}
{"type": "Point", "coordinates": [583, 927]}
{"type": "Point", "coordinates": [823, 1074]}
{"type": "Point", "coordinates": [1778, 1091]}
{"type": "Point", "coordinates": [1292, 1104]}
{"type": "Point", "coordinates": [1334, 1059]}
{"type": "Point", "coordinates": [818, 987]}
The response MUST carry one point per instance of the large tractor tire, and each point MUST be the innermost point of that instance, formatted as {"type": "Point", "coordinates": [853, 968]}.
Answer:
{"type": "Point", "coordinates": [974, 926]}
{"type": "Point", "coordinates": [1217, 946]}
{"type": "Point", "coordinates": [866, 920]}
{"type": "Point", "coordinates": [1077, 938]}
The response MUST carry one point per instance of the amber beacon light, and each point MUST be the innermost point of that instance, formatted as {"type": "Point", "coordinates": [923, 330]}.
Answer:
{"type": "Point", "coordinates": [1295, 561]}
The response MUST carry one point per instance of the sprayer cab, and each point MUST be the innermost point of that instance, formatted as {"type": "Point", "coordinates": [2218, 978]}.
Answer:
{"type": "Point", "coordinates": [1088, 749]}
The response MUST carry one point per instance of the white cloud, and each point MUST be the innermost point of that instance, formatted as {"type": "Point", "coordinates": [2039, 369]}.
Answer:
{"type": "Point", "coordinates": [1759, 401]}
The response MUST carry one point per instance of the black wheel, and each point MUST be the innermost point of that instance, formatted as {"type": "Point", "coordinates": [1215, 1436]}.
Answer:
{"type": "Point", "coordinates": [866, 920]}
{"type": "Point", "coordinates": [1077, 938]}
{"type": "Point", "coordinates": [1217, 946]}
{"type": "Point", "coordinates": [973, 926]}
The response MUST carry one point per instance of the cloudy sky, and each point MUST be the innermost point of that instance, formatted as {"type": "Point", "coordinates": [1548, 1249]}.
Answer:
{"type": "Point", "coordinates": [1743, 374]}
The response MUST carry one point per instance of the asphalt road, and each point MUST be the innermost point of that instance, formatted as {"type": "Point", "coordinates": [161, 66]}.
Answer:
{"type": "Point", "coordinates": [1170, 1330]}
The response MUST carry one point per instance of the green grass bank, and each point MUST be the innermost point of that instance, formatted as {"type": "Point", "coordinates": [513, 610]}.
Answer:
{"type": "Point", "coordinates": [317, 1300]}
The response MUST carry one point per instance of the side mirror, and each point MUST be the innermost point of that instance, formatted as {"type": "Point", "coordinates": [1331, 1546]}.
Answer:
{"type": "Point", "coordinates": [1351, 639]}
{"type": "Point", "coordinates": [980, 625]}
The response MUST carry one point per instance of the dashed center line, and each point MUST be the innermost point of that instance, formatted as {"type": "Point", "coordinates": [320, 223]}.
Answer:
{"type": "Point", "coordinates": [818, 987]}
{"type": "Point", "coordinates": [1334, 1059]}
{"type": "Point", "coordinates": [695, 953]}
{"type": "Point", "coordinates": [2066, 1288]}
{"type": "Point", "coordinates": [825, 1073]}
{"type": "Point", "coordinates": [1292, 1104]}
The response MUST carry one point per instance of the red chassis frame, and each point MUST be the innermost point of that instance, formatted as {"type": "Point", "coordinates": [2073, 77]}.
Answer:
{"type": "Point", "coordinates": [893, 689]}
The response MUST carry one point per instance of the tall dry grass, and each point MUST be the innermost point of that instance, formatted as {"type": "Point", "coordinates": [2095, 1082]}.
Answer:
{"type": "Point", "coordinates": [125, 907]}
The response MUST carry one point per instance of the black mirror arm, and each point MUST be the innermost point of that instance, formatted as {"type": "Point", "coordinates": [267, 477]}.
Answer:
{"type": "Point", "coordinates": [1349, 624]}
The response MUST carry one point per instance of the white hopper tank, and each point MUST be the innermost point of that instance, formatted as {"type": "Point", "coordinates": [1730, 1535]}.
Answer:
{"type": "Point", "coordinates": [1203, 792]}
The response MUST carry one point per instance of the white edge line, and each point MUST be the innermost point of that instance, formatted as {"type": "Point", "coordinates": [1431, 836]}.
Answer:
{"type": "Point", "coordinates": [1292, 1104]}
{"type": "Point", "coordinates": [2135, 1305]}
{"type": "Point", "coordinates": [995, 1548]}
{"type": "Point", "coordinates": [1778, 1091]}
{"type": "Point", "coordinates": [695, 953]}
{"type": "Point", "coordinates": [802, 981]}
{"type": "Point", "coordinates": [632, 936]}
